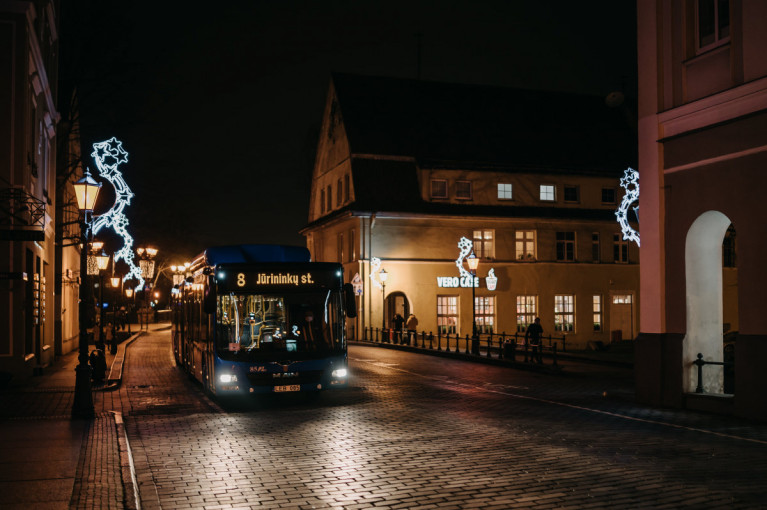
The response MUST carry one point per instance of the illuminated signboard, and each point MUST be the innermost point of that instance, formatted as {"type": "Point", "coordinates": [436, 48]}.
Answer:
{"type": "Point", "coordinates": [282, 277]}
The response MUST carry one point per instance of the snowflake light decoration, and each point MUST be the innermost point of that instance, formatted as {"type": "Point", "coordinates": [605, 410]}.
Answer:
{"type": "Point", "coordinates": [629, 182]}
{"type": "Point", "coordinates": [108, 155]}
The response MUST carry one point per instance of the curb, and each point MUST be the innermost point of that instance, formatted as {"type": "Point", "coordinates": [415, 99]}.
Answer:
{"type": "Point", "coordinates": [127, 468]}
{"type": "Point", "coordinates": [116, 370]}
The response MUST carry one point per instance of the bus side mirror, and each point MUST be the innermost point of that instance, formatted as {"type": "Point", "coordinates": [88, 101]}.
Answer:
{"type": "Point", "coordinates": [350, 302]}
{"type": "Point", "coordinates": [209, 301]}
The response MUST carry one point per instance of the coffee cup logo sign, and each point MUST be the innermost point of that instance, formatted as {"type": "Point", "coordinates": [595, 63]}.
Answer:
{"type": "Point", "coordinates": [466, 279]}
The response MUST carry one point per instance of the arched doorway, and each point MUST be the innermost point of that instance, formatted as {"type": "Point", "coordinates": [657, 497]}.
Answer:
{"type": "Point", "coordinates": [704, 290]}
{"type": "Point", "coordinates": [397, 303]}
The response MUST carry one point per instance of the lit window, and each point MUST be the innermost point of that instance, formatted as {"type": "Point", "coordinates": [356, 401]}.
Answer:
{"type": "Point", "coordinates": [484, 247]}
{"type": "Point", "coordinates": [525, 244]}
{"type": "Point", "coordinates": [548, 192]}
{"type": "Point", "coordinates": [527, 311]}
{"type": "Point", "coordinates": [595, 247]}
{"type": "Point", "coordinates": [572, 194]}
{"type": "Point", "coordinates": [608, 195]}
{"type": "Point", "coordinates": [713, 23]}
{"type": "Point", "coordinates": [438, 188]}
{"type": "Point", "coordinates": [484, 313]}
{"type": "Point", "coordinates": [463, 190]}
{"type": "Point", "coordinates": [564, 312]}
{"type": "Point", "coordinates": [447, 314]}
{"type": "Point", "coordinates": [566, 246]}
{"type": "Point", "coordinates": [620, 249]}
{"type": "Point", "coordinates": [596, 310]}
{"type": "Point", "coordinates": [622, 299]}
{"type": "Point", "coordinates": [504, 191]}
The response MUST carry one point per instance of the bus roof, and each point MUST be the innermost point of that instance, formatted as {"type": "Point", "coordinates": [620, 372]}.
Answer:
{"type": "Point", "coordinates": [243, 253]}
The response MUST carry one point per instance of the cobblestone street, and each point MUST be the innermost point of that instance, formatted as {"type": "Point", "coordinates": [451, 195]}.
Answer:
{"type": "Point", "coordinates": [411, 431]}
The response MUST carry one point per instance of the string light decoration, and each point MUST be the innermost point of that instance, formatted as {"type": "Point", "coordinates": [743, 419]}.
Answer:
{"type": "Point", "coordinates": [108, 155]}
{"type": "Point", "coordinates": [629, 182]}
{"type": "Point", "coordinates": [466, 246]}
{"type": "Point", "coordinates": [375, 265]}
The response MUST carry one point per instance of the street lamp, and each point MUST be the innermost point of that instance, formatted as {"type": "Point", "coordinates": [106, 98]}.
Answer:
{"type": "Point", "coordinates": [129, 295]}
{"type": "Point", "coordinates": [383, 275]}
{"type": "Point", "coordinates": [86, 192]}
{"type": "Point", "coordinates": [115, 281]}
{"type": "Point", "coordinates": [146, 264]}
{"type": "Point", "coordinates": [473, 261]}
{"type": "Point", "coordinates": [102, 262]}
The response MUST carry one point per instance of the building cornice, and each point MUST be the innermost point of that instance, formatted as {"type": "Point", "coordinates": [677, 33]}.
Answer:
{"type": "Point", "coordinates": [722, 107]}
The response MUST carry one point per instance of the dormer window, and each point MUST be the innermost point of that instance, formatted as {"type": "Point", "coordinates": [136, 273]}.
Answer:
{"type": "Point", "coordinates": [463, 190]}
{"type": "Point", "coordinates": [438, 188]}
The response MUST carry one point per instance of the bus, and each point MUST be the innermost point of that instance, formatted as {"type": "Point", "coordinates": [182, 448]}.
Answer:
{"type": "Point", "coordinates": [259, 319]}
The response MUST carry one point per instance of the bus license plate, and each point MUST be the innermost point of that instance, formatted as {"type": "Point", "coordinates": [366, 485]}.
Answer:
{"type": "Point", "coordinates": [292, 387]}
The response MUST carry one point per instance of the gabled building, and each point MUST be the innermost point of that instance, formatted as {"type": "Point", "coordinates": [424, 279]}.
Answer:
{"type": "Point", "coordinates": [405, 169]}
{"type": "Point", "coordinates": [703, 166]}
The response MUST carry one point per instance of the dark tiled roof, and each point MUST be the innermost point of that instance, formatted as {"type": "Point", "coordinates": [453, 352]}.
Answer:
{"type": "Point", "coordinates": [469, 126]}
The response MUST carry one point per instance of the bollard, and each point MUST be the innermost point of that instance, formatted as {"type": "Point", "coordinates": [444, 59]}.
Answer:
{"type": "Point", "coordinates": [439, 339]}
{"type": "Point", "coordinates": [431, 340]}
{"type": "Point", "coordinates": [699, 362]}
{"type": "Point", "coordinates": [526, 345]}
{"type": "Point", "coordinates": [472, 344]}
{"type": "Point", "coordinates": [489, 344]}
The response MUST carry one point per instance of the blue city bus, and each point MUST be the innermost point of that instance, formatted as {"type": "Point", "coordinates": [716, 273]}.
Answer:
{"type": "Point", "coordinates": [259, 319]}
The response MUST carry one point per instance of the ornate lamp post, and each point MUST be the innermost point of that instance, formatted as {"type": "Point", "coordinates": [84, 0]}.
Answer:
{"type": "Point", "coordinates": [146, 264]}
{"type": "Point", "coordinates": [115, 281]}
{"type": "Point", "coordinates": [473, 262]}
{"type": "Point", "coordinates": [102, 262]}
{"type": "Point", "coordinates": [129, 295]}
{"type": "Point", "coordinates": [86, 192]}
{"type": "Point", "coordinates": [383, 275]}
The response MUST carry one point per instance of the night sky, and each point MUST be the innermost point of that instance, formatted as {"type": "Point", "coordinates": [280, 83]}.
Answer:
{"type": "Point", "coordinates": [219, 104]}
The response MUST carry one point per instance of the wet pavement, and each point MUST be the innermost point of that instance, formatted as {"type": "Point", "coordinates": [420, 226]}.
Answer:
{"type": "Point", "coordinates": [411, 431]}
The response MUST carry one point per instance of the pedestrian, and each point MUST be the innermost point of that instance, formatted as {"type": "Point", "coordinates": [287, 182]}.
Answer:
{"type": "Point", "coordinates": [398, 321]}
{"type": "Point", "coordinates": [412, 324]}
{"type": "Point", "coordinates": [535, 333]}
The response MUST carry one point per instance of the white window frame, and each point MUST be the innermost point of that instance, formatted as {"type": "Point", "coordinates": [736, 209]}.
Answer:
{"type": "Point", "coordinates": [527, 311]}
{"type": "Point", "coordinates": [524, 240]}
{"type": "Point", "coordinates": [484, 313]}
{"type": "Point", "coordinates": [447, 314]}
{"type": "Point", "coordinates": [564, 313]}
{"type": "Point", "coordinates": [596, 312]}
{"type": "Point", "coordinates": [719, 40]}
{"type": "Point", "coordinates": [596, 247]}
{"type": "Point", "coordinates": [565, 243]}
{"type": "Point", "coordinates": [484, 243]}
{"type": "Point", "coordinates": [505, 191]}
{"type": "Point", "coordinates": [548, 193]}
{"type": "Point", "coordinates": [620, 249]}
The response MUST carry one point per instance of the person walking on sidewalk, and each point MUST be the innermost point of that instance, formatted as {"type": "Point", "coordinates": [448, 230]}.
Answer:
{"type": "Point", "coordinates": [535, 333]}
{"type": "Point", "coordinates": [411, 324]}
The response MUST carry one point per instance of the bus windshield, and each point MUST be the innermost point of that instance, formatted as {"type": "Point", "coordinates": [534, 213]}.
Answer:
{"type": "Point", "coordinates": [271, 326]}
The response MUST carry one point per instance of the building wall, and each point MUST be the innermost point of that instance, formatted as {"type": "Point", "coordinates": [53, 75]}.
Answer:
{"type": "Point", "coordinates": [28, 117]}
{"type": "Point", "coordinates": [702, 147]}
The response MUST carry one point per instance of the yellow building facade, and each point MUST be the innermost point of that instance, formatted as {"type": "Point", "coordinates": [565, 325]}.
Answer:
{"type": "Point", "coordinates": [546, 234]}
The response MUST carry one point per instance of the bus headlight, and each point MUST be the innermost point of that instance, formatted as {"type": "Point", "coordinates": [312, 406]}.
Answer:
{"type": "Point", "coordinates": [227, 378]}
{"type": "Point", "coordinates": [340, 373]}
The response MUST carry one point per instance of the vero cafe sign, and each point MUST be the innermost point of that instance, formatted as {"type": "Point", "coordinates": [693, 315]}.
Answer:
{"type": "Point", "coordinates": [466, 279]}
